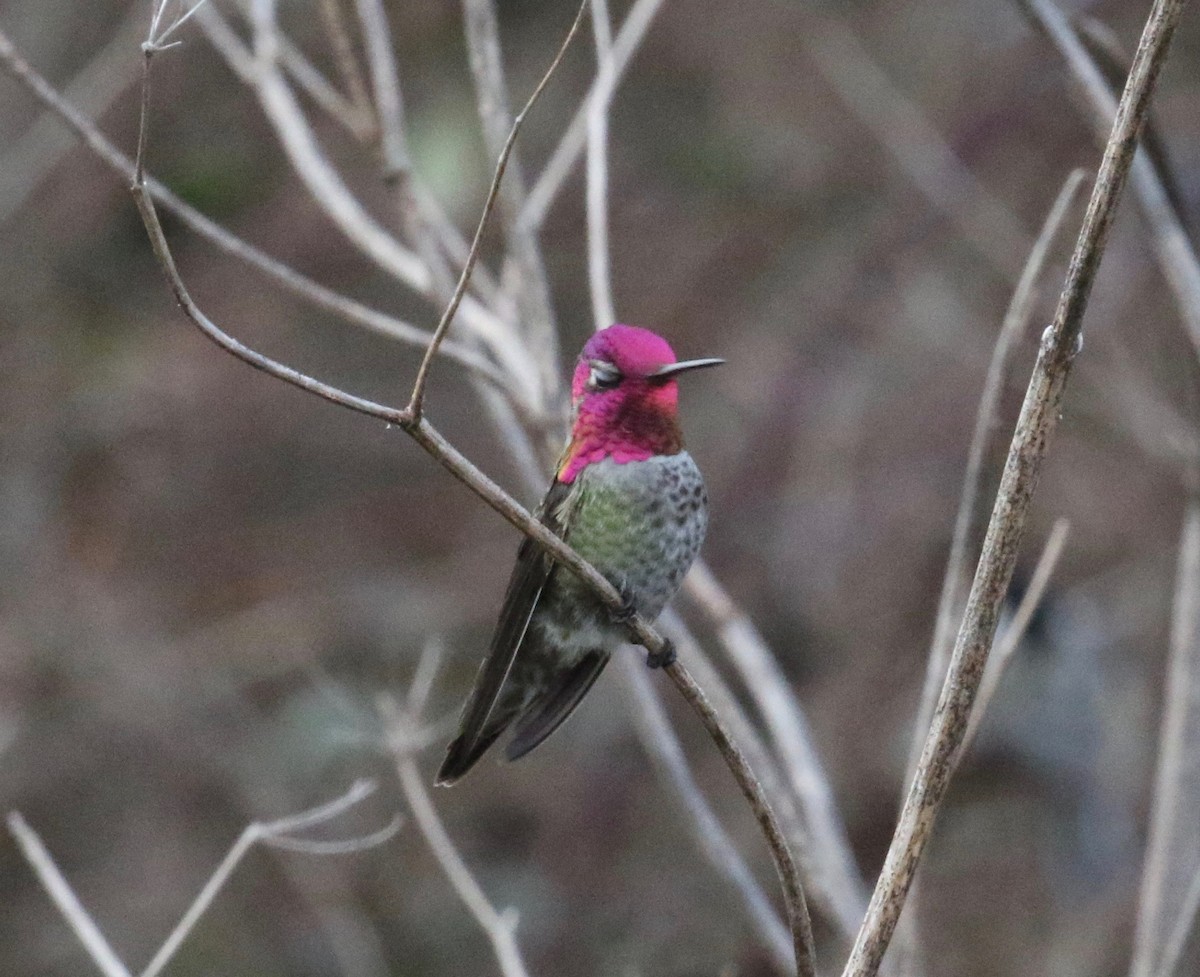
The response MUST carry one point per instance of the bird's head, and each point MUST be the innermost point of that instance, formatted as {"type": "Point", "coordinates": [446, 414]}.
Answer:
{"type": "Point", "coordinates": [625, 399]}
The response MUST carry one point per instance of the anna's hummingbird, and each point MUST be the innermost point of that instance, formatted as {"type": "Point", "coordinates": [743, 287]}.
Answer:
{"type": "Point", "coordinates": [631, 501]}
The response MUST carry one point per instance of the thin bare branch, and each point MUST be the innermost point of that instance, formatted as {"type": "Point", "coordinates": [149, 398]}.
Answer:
{"type": "Point", "coordinates": [1038, 419]}
{"type": "Point", "coordinates": [527, 277]}
{"type": "Point", "coordinates": [305, 288]}
{"type": "Point", "coordinates": [923, 154]}
{"type": "Point", "coordinates": [1155, 915]}
{"type": "Point", "coordinates": [1012, 636]}
{"type": "Point", "coordinates": [666, 752]}
{"type": "Point", "coordinates": [983, 441]}
{"type": "Point", "coordinates": [836, 874]}
{"type": "Point", "coordinates": [57, 887]}
{"type": "Point", "coordinates": [273, 833]}
{"type": "Point", "coordinates": [415, 402]}
{"type": "Point", "coordinates": [566, 154]}
{"type": "Point", "coordinates": [343, 54]}
{"type": "Point", "coordinates": [599, 266]}
{"type": "Point", "coordinates": [1176, 254]}
{"type": "Point", "coordinates": [389, 106]}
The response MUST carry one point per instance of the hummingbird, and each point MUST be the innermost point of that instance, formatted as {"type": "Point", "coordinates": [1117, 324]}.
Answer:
{"type": "Point", "coordinates": [631, 502]}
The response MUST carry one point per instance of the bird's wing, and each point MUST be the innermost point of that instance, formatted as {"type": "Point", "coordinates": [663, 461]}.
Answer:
{"type": "Point", "coordinates": [551, 709]}
{"type": "Point", "coordinates": [480, 725]}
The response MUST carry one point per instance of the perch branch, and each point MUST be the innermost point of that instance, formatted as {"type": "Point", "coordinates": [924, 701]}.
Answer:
{"type": "Point", "coordinates": [666, 752]}
{"type": "Point", "coordinates": [1038, 419]}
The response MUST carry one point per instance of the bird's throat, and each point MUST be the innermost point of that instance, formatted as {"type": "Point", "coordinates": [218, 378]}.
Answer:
{"type": "Point", "coordinates": [625, 432]}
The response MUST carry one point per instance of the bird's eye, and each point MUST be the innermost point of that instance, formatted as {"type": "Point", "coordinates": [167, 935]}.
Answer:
{"type": "Point", "coordinates": [603, 376]}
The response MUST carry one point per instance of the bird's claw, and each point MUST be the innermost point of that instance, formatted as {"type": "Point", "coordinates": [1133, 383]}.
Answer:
{"type": "Point", "coordinates": [662, 658]}
{"type": "Point", "coordinates": [627, 611]}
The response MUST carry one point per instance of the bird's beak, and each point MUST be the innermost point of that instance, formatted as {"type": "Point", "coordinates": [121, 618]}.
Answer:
{"type": "Point", "coordinates": [671, 369]}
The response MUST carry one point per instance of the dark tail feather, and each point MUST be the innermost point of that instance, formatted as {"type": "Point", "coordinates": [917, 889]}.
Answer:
{"type": "Point", "coordinates": [551, 709]}
{"type": "Point", "coordinates": [462, 754]}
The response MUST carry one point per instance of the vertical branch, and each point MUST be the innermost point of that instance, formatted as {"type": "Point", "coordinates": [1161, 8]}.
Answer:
{"type": "Point", "coordinates": [1154, 915]}
{"type": "Point", "coordinates": [532, 288]}
{"type": "Point", "coordinates": [987, 423]}
{"type": "Point", "coordinates": [566, 154]}
{"type": "Point", "coordinates": [389, 107]}
{"type": "Point", "coordinates": [1039, 417]}
{"type": "Point", "coordinates": [343, 54]}
{"type": "Point", "coordinates": [416, 401]}
{"type": "Point", "coordinates": [599, 270]}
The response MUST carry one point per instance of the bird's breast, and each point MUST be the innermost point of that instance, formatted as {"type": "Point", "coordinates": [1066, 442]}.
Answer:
{"type": "Point", "coordinates": [641, 524]}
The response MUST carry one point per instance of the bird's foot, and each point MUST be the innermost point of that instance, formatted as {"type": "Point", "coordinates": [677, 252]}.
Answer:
{"type": "Point", "coordinates": [628, 609]}
{"type": "Point", "coordinates": [662, 658]}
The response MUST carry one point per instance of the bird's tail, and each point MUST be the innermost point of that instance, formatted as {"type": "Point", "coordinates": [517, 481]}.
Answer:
{"type": "Point", "coordinates": [463, 753]}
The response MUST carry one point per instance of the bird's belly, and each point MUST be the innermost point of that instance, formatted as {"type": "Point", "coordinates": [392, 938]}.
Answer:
{"type": "Point", "coordinates": [640, 524]}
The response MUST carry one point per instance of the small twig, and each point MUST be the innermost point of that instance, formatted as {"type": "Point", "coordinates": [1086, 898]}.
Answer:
{"type": "Point", "coordinates": [566, 154]}
{"type": "Point", "coordinates": [305, 288]}
{"type": "Point", "coordinates": [277, 834]}
{"type": "Point", "coordinates": [1183, 677]}
{"type": "Point", "coordinates": [1012, 636]}
{"type": "Point", "coordinates": [1039, 417]}
{"type": "Point", "coordinates": [784, 718]}
{"type": "Point", "coordinates": [524, 272]}
{"type": "Point", "coordinates": [59, 890]}
{"type": "Point", "coordinates": [415, 403]}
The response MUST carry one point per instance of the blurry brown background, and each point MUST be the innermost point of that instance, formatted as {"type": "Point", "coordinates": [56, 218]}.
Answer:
{"type": "Point", "coordinates": [206, 577]}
